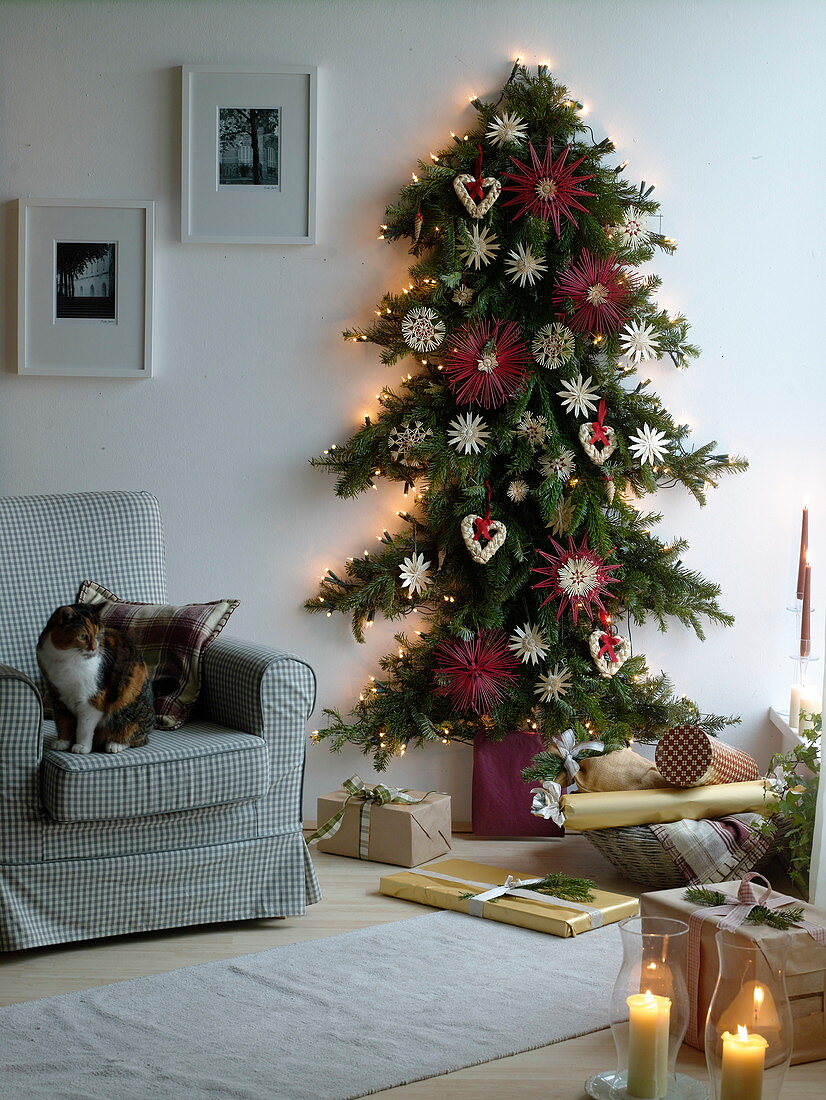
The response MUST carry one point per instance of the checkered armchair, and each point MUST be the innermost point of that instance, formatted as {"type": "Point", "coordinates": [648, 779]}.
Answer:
{"type": "Point", "coordinates": [201, 824]}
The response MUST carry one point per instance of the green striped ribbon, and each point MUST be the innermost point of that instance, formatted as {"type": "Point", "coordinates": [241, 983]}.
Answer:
{"type": "Point", "coordinates": [379, 795]}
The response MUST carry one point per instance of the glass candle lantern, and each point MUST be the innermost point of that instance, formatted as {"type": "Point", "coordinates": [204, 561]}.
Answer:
{"type": "Point", "coordinates": [649, 1015]}
{"type": "Point", "coordinates": [748, 1036]}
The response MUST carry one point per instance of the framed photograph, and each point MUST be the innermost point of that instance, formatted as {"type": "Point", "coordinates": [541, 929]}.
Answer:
{"type": "Point", "coordinates": [85, 288]}
{"type": "Point", "coordinates": [248, 155]}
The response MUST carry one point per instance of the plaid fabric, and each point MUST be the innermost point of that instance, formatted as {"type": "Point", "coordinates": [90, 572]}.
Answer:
{"type": "Point", "coordinates": [171, 640]}
{"type": "Point", "coordinates": [48, 544]}
{"type": "Point", "coordinates": [174, 771]}
{"type": "Point", "coordinates": [81, 879]}
{"type": "Point", "coordinates": [687, 756]}
{"type": "Point", "coordinates": [714, 850]}
{"type": "Point", "coordinates": [86, 898]}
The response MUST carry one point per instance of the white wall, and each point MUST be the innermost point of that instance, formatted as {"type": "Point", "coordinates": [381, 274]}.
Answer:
{"type": "Point", "coordinates": [718, 103]}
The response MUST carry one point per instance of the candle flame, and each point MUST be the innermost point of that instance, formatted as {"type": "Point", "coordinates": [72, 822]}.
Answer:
{"type": "Point", "coordinates": [742, 1032]}
{"type": "Point", "coordinates": [649, 996]}
{"type": "Point", "coordinates": [759, 997]}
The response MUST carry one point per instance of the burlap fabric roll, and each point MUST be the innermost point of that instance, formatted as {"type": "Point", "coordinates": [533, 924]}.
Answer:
{"type": "Point", "coordinates": [688, 757]}
{"type": "Point", "coordinates": [621, 770]}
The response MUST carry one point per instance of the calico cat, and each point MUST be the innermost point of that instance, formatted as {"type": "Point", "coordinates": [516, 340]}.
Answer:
{"type": "Point", "coordinates": [98, 683]}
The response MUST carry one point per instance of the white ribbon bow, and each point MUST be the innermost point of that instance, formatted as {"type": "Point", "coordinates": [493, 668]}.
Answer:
{"type": "Point", "coordinates": [546, 802]}
{"type": "Point", "coordinates": [569, 749]}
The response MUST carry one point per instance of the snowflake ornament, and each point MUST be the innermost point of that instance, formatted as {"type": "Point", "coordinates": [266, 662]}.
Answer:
{"type": "Point", "coordinates": [422, 329]}
{"type": "Point", "coordinates": [560, 466]}
{"type": "Point", "coordinates": [415, 573]}
{"type": "Point", "coordinates": [547, 188]}
{"type": "Point", "coordinates": [554, 685]}
{"type": "Point", "coordinates": [403, 439]}
{"type": "Point", "coordinates": [633, 231]}
{"type": "Point", "coordinates": [518, 490]}
{"type": "Point", "coordinates": [578, 397]}
{"type": "Point", "coordinates": [462, 295]}
{"type": "Point", "coordinates": [533, 428]}
{"type": "Point", "coordinates": [479, 246]}
{"type": "Point", "coordinates": [578, 577]}
{"type": "Point", "coordinates": [470, 433]}
{"type": "Point", "coordinates": [562, 519]}
{"type": "Point", "coordinates": [553, 346]}
{"type": "Point", "coordinates": [640, 342]}
{"type": "Point", "coordinates": [529, 644]}
{"type": "Point", "coordinates": [506, 129]}
{"type": "Point", "coordinates": [523, 267]}
{"type": "Point", "coordinates": [649, 445]}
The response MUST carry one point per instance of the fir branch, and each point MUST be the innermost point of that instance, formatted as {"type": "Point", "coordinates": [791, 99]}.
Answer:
{"type": "Point", "coordinates": [774, 918]}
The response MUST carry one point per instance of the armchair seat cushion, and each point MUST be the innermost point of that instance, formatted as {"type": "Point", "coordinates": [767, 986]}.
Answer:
{"type": "Point", "coordinates": [203, 764]}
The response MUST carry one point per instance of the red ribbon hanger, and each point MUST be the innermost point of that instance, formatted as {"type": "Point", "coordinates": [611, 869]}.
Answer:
{"type": "Point", "coordinates": [598, 427]}
{"type": "Point", "coordinates": [476, 187]}
{"type": "Point", "coordinates": [607, 644]}
{"type": "Point", "coordinates": [481, 525]}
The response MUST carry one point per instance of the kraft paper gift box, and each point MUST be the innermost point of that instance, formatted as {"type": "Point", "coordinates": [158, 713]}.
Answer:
{"type": "Point", "coordinates": [805, 967]}
{"type": "Point", "coordinates": [396, 832]}
{"type": "Point", "coordinates": [542, 914]}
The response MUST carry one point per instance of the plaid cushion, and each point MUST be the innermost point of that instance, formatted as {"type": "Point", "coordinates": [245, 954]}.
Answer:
{"type": "Point", "coordinates": [171, 641]}
{"type": "Point", "coordinates": [187, 770]}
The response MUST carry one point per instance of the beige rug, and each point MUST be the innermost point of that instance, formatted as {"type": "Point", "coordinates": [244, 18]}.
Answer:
{"type": "Point", "coordinates": [324, 1020]}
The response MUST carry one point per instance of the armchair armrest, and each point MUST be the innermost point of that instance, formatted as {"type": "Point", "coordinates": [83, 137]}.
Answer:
{"type": "Point", "coordinates": [21, 750]}
{"type": "Point", "coordinates": [260, 690]}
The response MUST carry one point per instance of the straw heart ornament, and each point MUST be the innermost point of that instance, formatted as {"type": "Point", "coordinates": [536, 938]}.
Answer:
{"type": "Point", "coordinates": [470, 189]}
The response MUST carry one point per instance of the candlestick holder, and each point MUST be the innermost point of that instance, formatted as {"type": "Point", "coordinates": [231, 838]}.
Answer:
{"type": "Point", "coordinates": [649, 1015]}
{"type": "Point", "coordinates": [748, 1036]}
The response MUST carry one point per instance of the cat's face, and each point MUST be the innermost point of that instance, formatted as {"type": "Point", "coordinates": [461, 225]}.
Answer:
{"type": "Point", "coordinates": [76, 626]}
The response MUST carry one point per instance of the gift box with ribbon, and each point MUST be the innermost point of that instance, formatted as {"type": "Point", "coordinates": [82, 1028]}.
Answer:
{"type": "Point", "coordinates": [805, 966]}
{"type": "Point", "coordinates": [497, 894]}
{"type": "Point", "coordinates": [383, 824]}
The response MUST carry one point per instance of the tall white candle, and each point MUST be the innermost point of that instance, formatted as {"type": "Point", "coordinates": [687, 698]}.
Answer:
{"type": "Point", "coordinates": [648, 1024]}
{"type": "Point", "coordinates": [744, 1056]}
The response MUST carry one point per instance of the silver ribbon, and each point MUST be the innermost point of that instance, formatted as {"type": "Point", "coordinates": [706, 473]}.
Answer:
{"type": "Point", "coordinates": [546, 802]}
{"type": "Point", "coordinates": [514, 887]}
{"type": "Point", "coordinates": [569, 749]}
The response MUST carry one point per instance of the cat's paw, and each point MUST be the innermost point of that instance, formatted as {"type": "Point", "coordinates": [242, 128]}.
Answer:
{"type": "Point", "coordinates": [115, 746]}
{"type": "Point", "coordinates": [81, 748]}
{"type": "Point", "coordinates": [61, 746]}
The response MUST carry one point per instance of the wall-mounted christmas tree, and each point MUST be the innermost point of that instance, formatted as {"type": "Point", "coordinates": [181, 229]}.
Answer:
{"type": "Point", "coordinates": [527, 442]}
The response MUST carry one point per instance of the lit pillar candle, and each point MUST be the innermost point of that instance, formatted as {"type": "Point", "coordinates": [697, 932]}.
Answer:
{"type": "Point", "coordinates": [810, 703]}
{"type": "Point", "coordinates": [648, 1023]}
{"type": "Point", "coordinates": [744, 1056]}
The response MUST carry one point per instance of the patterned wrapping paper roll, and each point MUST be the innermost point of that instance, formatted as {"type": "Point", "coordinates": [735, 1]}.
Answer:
{"type": "Point", "coordinates": [688, 757]}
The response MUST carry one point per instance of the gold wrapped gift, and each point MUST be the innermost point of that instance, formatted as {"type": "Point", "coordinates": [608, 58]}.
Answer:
{"type": "Point", "coordinates": [448, 884]}
{"type": "Point", "coordinates": [612, 809]}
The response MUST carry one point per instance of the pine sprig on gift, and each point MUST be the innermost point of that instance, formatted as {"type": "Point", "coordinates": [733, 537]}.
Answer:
{"type": "Point", "coordinates": [773, 918]}
{"type": "Point", "coordinates": [509, 471]}
{"type": "Point", "coordinates": [560, 885]}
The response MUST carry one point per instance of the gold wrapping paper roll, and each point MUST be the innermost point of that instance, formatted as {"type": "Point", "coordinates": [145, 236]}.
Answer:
{"type": "Point", "coordinates": [615, 809]}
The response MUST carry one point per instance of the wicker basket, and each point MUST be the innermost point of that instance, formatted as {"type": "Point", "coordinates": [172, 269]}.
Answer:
{"type": "Point", "coordinates": [639, 856]}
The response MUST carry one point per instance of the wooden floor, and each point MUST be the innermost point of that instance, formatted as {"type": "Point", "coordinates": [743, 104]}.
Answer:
{"type": "Point", "coordinates": [351, 900]}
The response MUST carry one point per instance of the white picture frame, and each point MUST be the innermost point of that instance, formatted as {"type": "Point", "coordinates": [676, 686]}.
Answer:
{"type": "Point", "coordinates": [85, 287]}
{"type": "Point", "coordinates": [248, 180]}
